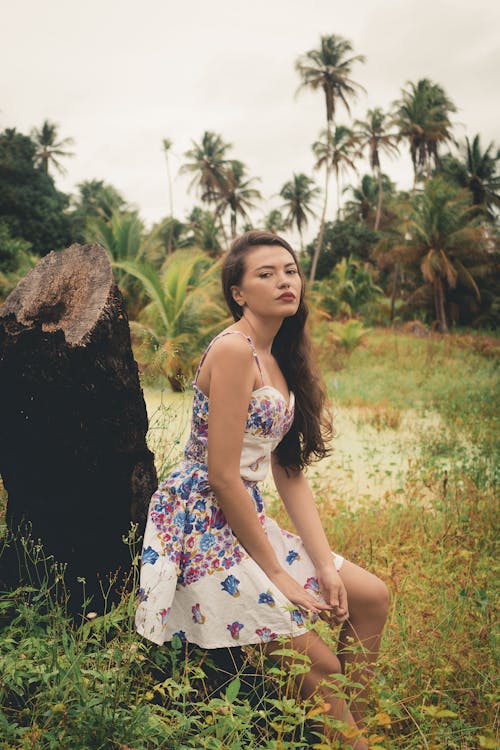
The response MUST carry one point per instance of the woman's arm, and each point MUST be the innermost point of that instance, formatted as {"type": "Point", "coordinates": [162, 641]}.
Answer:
{"type": "Point", "coordinates": [298, 499]}
{"type": "Point", "coordinates": [232, 376]}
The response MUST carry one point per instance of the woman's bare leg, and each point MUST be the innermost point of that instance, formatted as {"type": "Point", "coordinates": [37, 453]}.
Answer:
{"type": "Point", "coordinates": [359, 641]}
{"type": "Point", "coordinates": [323, 668]}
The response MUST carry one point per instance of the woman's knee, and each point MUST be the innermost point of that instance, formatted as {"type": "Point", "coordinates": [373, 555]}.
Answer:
{"type": "Point", "coordinates": [367, 594]}
{"type": "Point", "coordinates": [380, 597]}
{"type": "Point", "coordinates": [323, 661]}
{"type": "Point", "coordinates": [373, 600]}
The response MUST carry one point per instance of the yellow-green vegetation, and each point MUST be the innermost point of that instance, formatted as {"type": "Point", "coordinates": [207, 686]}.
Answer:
{"type": "Point", "coordinates": [101, 686]}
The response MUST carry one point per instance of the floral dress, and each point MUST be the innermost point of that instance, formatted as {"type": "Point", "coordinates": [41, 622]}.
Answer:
{"type": "Point", "coordinates": [197, 581]}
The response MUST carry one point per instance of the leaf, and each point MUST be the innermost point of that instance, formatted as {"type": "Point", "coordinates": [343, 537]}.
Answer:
{"type": "Point", "coordinates": [489, 743]}
{"type": "Point", "coordinates": [444, 713]}
{"type": "Point", "coordinates": [321, 709]}
{"type": "Point", "coordinates": [233, 689]}
{"type": "Point", "coordinates": [439, 713]}
{"type": "Point", "coordinates": [383, 719]}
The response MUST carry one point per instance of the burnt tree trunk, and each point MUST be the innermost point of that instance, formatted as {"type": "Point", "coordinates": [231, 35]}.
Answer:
{"type": "Point", "coordinates": [73, 455]}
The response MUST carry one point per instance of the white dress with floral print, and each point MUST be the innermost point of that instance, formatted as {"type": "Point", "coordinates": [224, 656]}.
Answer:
{"type": "Point", "coordinates": [197, 581]}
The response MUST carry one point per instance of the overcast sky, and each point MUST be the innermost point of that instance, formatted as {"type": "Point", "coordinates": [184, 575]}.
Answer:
{"type": "Point", "coordinates": [118, 76]}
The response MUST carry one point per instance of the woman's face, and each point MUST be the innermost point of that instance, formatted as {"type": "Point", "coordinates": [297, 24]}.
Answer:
{"type": "Point", "coordinates": [271, 284]}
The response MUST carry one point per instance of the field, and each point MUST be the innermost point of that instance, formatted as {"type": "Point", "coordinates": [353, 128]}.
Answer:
{"type": "Point", "coordinates": [409, 492]}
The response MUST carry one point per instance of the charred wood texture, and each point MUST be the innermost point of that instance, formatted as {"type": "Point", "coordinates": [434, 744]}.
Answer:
{"type": "Point", "coordinates": [73, 455]}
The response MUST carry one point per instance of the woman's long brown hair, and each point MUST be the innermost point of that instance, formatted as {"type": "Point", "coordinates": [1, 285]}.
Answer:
{"type": "Point", "coordinates": [312, 428]}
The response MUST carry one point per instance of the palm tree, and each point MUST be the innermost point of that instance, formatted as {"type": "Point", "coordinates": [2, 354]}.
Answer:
{"type": "Point", "coordinates": [477, 171]}
{"type": "Point", "coordinates": [182, 313]}
{"type": "Point", "coordinates": [205, 231]}
{"type": "Point", "coordinates": [348, 290]}
{"type": "Point", "coordinates": [98, 199]}
{"type": "Point", "coordinates": [208, 164]}
{"type": "Point", "coordinates": [237, 195]}
{"type": "Point", "coordinates": [341, 152]}
{"type": "Point", "coordinates": [298, 194]}
{"type": "Point", "coordinates": [365, 199]}
{"type": "Point", "coordinates": [49, 148]}
{"type": "Point", "coordinates": [125, 239]}
{"type": "Point", "coordinates": [372, 134]}
{"type": "Point", "coordinates": [274, 221]}
{"type": "Point", "coordinates": [329, 68]}
{"type": "Point", "coordinates": [422, 117]}
{"type": "Point", "coordinates": [167, 145]}
{"type": "Point", "coordinates": [444, 240]}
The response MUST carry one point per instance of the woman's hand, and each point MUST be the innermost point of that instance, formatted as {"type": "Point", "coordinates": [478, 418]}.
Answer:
{"type": "Point", "coordinates": [298, 595]}
{"type": "Point", "coordinates": [334, 593]}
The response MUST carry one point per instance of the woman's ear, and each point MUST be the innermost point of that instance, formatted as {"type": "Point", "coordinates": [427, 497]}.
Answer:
{"type": "Point", "coordinates": [237, 295]}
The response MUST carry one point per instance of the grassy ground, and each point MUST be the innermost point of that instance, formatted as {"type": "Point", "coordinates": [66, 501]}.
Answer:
{"type": "Point", "coordinates": [101, 686]}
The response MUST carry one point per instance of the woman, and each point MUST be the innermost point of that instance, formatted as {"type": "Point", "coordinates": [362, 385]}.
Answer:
{"type": "Point", "coordinates": [215, 570]}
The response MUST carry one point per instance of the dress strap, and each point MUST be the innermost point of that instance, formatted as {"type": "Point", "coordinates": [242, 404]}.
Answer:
{"type": "Point", "coordinates": [226, 333]}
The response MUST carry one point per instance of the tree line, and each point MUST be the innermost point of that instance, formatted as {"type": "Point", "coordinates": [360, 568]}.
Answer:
{"type": "Point", "coordinates": [383, 254]}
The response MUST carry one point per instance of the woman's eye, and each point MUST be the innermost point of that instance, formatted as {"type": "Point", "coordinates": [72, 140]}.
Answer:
{"type": "Point", "coordinates": [264, 275]}
{"type": "Point", "coordinates": [292, 270]}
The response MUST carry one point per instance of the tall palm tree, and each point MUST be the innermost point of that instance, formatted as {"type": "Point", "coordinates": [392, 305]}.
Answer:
{"type": "Point", "coordinates": [167, 145]}
{"type": "Point", "coordinates": [372, 134]}
{"type": "Point", "coordinates": [208, 164]}
{"type": "Point", "coordinates": [49, 147]}
{"type": "Point", "coordinates": [299, 193]}
{"type": "Point", "coordinates": [422, 116]}
{"type": "Point", "coordinates": [341, 150]}
{"type": "Point", "coordinates": [477, 170]}
{"type": "Point", "coordinates": [237, 194]}
{"type": "Point", "coordinates": [328, 68]}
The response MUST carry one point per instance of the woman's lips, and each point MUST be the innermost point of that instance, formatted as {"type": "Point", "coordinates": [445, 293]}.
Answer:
{"type": "Point", "coordinates": [287, 297]}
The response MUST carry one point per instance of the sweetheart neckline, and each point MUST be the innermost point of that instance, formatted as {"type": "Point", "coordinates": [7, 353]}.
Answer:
{"type": "Point", "coordinates": [288, 405]}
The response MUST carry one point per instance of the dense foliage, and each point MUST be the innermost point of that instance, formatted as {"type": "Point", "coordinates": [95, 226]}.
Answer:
{"type": "Point", "coordinates": [381, 255]}
{"type": "Point", "coordinates": [30, 205]}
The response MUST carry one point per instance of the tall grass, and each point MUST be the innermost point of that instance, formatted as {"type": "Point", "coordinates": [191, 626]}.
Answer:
{"type": "Point", "coordinates": [99, 685]}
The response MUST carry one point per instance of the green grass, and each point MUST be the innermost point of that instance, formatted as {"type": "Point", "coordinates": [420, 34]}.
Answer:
{"type": "Point", "coordinates": [433, 372]}
{"type": "Point", "coordinates": [434, 543]}
{"type": "Point", "coordinates": [456, 376]}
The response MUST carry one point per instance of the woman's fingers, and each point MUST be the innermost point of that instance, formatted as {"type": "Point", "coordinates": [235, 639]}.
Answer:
{"type": "Point", "coordinates": [343, 599]}
{"type": "Point", "coordinates": [334, 592]}
{"type": "Point", "coordinates": [298, 595]}
{"type": "Point", "coordinates": [309, 604]}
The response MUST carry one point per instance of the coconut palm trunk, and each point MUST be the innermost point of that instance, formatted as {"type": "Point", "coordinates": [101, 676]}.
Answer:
{"type": "Point", "coordinates": [339, 205]}
{"type": "Point", "coordinates": [171, 202]}
{"type": "Point", "coordinates": [394, 290]}
{"type": "Point", "coordinates": [379, 202]}
{"type": "Point", "coordinates": [439, 304]}
{"type": "Point", "coordinates": [319, 243]}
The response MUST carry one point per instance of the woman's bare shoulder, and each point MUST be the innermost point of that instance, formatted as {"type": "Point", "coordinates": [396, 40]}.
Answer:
{"type": "Point", "coordinates": [233, 348]}
{"type": "Point", "coordinates": [229, 360]}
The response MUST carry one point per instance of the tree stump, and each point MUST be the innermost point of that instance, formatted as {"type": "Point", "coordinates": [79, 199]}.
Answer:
{"type": "Point", "coordinates": [73, 421]}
